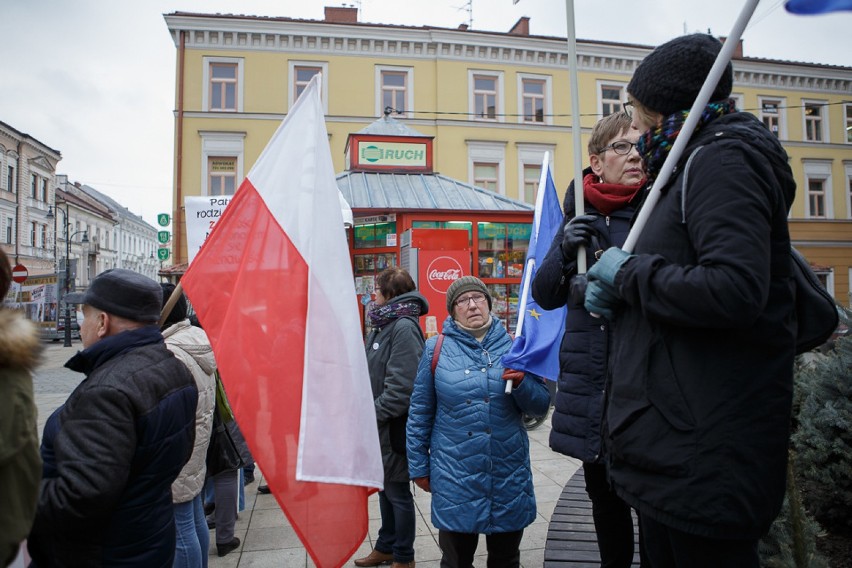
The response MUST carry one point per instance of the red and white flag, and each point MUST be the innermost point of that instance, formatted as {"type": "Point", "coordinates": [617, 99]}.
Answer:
{"type": "Point", "coordinates": [274, 290]}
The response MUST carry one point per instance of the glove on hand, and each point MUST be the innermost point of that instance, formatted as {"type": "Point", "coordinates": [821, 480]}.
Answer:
{"type": "Point", "coordinates": [512, 375]}
{"type": "Point", "coordinates": [608, 266]}
{"type": "Point", "coordinates": [601, 299]}
{"type": "Point", "coordinates": [577, 232]}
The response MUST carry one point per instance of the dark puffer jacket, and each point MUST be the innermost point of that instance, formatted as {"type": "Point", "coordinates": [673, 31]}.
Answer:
{"type": "Point", "coordinates": [111, 453]}
{"type": "Point", "coordinates": [576, 422]}
{"type": "Point", "coordinates": [702, 361]}
{"type": "Point", "coordinates": [393, 353]}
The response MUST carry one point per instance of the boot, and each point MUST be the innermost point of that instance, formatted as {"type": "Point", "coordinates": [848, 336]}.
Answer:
{"type": "Point", "coordinates": [375, 558]}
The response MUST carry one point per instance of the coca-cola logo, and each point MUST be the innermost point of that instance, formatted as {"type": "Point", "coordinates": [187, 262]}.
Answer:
{"type": "Point", "coordinates": [442, 272]}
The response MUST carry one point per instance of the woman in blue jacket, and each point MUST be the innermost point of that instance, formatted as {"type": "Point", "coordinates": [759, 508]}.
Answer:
{"type": "Point", "coordinates": [465, 437]}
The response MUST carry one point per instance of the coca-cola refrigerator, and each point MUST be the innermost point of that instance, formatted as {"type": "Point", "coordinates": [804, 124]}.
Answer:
{"type": "Point", "coordinates": [435, 258]}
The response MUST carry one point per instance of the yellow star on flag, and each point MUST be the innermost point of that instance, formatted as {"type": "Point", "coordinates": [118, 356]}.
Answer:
{"type": "Point", "coordinates": [534, 313]}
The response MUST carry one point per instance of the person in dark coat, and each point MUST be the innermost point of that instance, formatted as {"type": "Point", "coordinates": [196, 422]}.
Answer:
{"type": "Point", "coordinates": [701, 368]}
{"type": "Point", "coordinates": [113, 449]}
{"type": "Point", "coordinates": [393, 348]}
{"type": "Point", "coordinates": [611, 190]}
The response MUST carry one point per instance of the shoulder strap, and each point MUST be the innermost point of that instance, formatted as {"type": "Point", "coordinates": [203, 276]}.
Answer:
{"type": "Point", "coordinates": [437, 352]}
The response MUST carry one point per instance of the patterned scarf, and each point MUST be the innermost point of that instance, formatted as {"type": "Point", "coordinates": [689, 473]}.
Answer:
{"type": "Point", "coordinates": [654, 145]}
{"type": "Point", "coordinates": [381, 315]}
{"type": "Point", "coordinates": [608, 197]}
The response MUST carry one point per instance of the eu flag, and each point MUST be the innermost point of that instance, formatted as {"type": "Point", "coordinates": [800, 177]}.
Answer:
{"type": "Point", "coordinates": [539, 333]}
{"type": "Point", "coordinates": [817, 6]}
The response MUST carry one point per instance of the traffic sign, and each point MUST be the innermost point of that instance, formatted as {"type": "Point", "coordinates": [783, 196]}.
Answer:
{"type": "Point", "coordinates": [163, 254]}
{"type": "Point", "coordinates": [19, 273]}
{"type": "Point", "coordinates": [163, 219]}
{"type": "Point", "coordinates": [163, 236]}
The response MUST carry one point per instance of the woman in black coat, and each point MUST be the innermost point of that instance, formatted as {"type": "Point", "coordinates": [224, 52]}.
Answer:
{"type": "Point", "coordinates": [611, 188]}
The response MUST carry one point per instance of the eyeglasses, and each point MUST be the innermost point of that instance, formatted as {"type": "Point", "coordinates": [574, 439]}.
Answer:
{"type": "Point", "coordinates": [622, 147]}
{"type": "Point", "coordinates": [628, 108]}
{"type": "Point", "coordinates": [475, 298]}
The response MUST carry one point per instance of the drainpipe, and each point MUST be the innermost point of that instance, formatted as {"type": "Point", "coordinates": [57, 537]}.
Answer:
{"type": "Point", "coordinates": [179, 154]}
{"type": "Point", "coordinates": [18, 201]}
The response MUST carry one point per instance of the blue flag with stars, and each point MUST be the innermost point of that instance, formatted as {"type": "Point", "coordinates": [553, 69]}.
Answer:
{"type": "Point", "coordinates": [817, 6]}
{"type": "Point", "coordinates": [539, 334]}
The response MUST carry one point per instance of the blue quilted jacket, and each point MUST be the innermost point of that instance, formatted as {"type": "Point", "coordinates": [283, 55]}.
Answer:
{"type": "Point", "coordinates": [467, 435]}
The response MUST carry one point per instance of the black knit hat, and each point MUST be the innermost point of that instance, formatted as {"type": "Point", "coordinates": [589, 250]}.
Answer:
{"type": "Point", "coordinates": [669, 78]}
{"type": "Point", "coordinates": [178, 312]}
{"type": "Point", "coordinates": [466, 284]}
{"type": "Point", "coordinates": [122, 293]}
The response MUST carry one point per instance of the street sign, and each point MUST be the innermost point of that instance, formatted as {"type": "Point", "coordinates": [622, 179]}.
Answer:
{"type": "Point", "coordinates": [163, 219]}
{"type": "Point", "coordinates": [19, 273]}
{"type": "Point", "coordinates": [163, 254]}
{"type": "Point", "coordinates": [163, 236]}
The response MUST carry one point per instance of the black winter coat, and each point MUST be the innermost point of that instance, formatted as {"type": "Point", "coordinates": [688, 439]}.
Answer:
{"type": "Point", "coordinates": [576, 422]}
{"type": "Point", "coordinates": [702, 362]}
{"type": "Point", "coordinates": [111, 454]}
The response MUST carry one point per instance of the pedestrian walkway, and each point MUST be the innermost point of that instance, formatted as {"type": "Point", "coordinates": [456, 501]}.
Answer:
{"type": "Point", "coordinates": [269, 541]}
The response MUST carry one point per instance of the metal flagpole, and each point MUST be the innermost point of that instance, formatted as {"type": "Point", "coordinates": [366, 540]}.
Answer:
{"type": "Point", "coordinates": [575, 126]}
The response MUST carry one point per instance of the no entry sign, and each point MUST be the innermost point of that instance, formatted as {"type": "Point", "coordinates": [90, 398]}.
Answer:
{"type": "Point", "coordinates": [19, 273]}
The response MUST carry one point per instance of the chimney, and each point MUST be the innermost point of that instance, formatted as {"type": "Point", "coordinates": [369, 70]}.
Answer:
{"type": "Point", "coordinates": [463, 27]}
{"type": "Point", "coordinates": [341, 15]}
{"type": "Point", "coordinates": [738, 52]}
{"type": "Point", "coordinates": [521, 27]}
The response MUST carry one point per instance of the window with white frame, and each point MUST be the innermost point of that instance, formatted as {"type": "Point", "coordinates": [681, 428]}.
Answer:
{"type": "Point", "coordinates": [848, 168]}
{"type": "Point", "coordinates": [34, 186]}
{"type": "Point", "coordinates": [772, 115]}
{"type": "Point", "coordinates": [222, 155]}
{"type": "Point", "coordinates": [532, 175]}
{"type": "Point", "coordinates": [10, 229]}
{"type": "Point", "coordinates": [530, 158]}
{"type": "Point", "coordinates": [10, 179]}
{"type": "Point", "coordinates": [43, 236]}
{"type": "Point", "coordinates": [223, 82]}
{"type": "Point", "coordinates": [485, 92]}
{"type": "Point", "coordinates": [739, 100]}
{"type": "Point", "coordinates": [33, 234]}
{"type": "Point", "coordinates": [486, 165]}
{"type": "Point", "coordinates": [395, 89]}
{"type": "Point", "coordinates": [815, 126]}
{"type": "Point", "coordinates": [611, 96]}
{"type": "Point", "coordinates": [534, 98]}
{"type": "Point", "coordinates": [300, 74]}
{"type": "Point", "coordinates": [848, 110]}
{"type": "Point", "coordinates": [43, 190]}
{"type": "Point", "coordinates": [818, 199]}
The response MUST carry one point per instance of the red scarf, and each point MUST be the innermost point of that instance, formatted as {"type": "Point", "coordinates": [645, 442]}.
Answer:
{"type": "Point", "coordinates": [608, 197]}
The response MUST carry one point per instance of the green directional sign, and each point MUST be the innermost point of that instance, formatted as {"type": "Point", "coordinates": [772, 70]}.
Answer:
{"type": "Point", "coordinates": [163, 219]}
{"type": "Point", "coordinates": [163, 254]}
{"type": "Point", "coordinates": [163, 236]}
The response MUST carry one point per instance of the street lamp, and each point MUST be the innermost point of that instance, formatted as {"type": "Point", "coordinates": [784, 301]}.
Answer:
{"type": "Point", "coordinates": [68, 238]}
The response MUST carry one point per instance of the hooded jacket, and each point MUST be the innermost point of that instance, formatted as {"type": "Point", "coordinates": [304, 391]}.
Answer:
{"type": "Point", "coordinates": [20, 463]}
{"type": "Point", "coordinates": [468, 437]}
{"type": "Point", "coordinates": [393, 352]}
{"type": "Point", "coordinates": [191, 346]}
{"type": "Point", "coordinates": [702, 363]}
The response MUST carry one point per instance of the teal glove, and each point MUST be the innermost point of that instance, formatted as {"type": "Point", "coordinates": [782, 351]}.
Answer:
{"type": "Point", "coordinates": [606, 268]}
{"type": "Point", "coordinates": [602, 297]}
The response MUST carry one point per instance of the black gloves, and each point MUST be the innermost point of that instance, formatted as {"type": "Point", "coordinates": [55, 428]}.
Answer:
{"type": "Point", "coordinates": [578, 231]}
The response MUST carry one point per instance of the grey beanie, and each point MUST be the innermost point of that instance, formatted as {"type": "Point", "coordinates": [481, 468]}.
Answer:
{"type": "Point", "coordinates": [669, 78]}
{"type": "Point", "coordinates": [466, 284]}
{"type": "Point", "coordinates": [123, 293]}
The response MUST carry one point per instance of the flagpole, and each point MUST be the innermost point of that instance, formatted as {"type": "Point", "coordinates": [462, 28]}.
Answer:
{"type": "Point", "coordinates": [689, 125]}
{"type": "Point", "coordinates": [579, 208]}
{"type": "Point", "coordinates": [170, 304]}
{"type": "Point", "coordinates": [528, 269]}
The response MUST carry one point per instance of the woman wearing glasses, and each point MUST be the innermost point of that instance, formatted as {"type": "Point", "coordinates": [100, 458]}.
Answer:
{"type": "Point", "coordinates": [466, 439]}
{"type": "Point", "coordinates": [611, 191]}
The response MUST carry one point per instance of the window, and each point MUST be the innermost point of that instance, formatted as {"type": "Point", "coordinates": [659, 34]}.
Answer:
{"type": "Point", "coordinates": [485, 97]}
{"type": "Point", "coordinates": [223, 81]}
{"type": "Point", "coordinates": [848, 168]}
{"type": "Point", "coordinates": [43, 237]}
{"type": "Point", "coordinates": [222, 172]}
{"type": "Point", "coordinates": [533, 100]}
{"type": "Point", "coordinates": [43, 190]}
{"type": "Point", "coordinates": [485, 175]}
{"type": "Point", "coordinates": [611, 96]}
{"type": "Point", "coordinates": [395, 90]}
{"type": "Point", "coordinates": [10, 179]}
{"type": "Point", "coordinates": [10, 229]}
{"type": "Point", "coordinates": [848, 124]}
{"type": "Point", "coordinates": [532, 174]}
{"type": "Point", "coordinates": [818, 200]}
{"type": "Point", "coordinates": [33, 234]}
{"type": "Point", "coordinates": [772, 115]}
{"type": "Point", "coordinates": [33, 186]}
{"type": "Point", "coordinates": [814, 124]}
{"type": "Point", "coordinates": [486, 165]}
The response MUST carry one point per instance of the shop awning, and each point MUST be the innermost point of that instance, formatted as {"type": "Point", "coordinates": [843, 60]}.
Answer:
{"type": "Point", "coordinates": [385, 191]}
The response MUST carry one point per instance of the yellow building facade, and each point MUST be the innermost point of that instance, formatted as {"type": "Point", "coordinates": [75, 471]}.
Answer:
{"type": "Point", "coordinates": [494, 102]}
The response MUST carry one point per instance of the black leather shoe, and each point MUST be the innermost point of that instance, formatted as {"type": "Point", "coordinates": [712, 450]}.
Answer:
{"type": "Point", "coordinates": [224, 548]}
{"type": "Point", "coordinates": [263, 489]}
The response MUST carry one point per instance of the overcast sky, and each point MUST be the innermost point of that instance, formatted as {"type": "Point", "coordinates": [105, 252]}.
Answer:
{"type": "Point", "coordinates": [94, 79]}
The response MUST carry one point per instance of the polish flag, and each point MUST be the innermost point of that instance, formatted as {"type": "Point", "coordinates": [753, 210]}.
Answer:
{"type": "Point", "coordinates": [274, 290]}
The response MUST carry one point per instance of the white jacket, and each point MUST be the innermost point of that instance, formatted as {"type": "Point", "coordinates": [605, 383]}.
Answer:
{"type": "Point", "coordinates": [191, 346]}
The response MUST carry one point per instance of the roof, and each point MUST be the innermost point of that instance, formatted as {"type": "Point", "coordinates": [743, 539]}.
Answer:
{"type": "Point", "coordinates": [406, 191]}
{"type": "Point", "coordinates": [388, 126]}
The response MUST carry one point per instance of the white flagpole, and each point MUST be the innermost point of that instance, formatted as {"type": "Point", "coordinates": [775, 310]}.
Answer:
{"type": "Point", "coordinates": [689, 126]}
{"type": "Point", "coordinates": [575, 126]}
{"type": "Point", "coordinates": [528, 269]}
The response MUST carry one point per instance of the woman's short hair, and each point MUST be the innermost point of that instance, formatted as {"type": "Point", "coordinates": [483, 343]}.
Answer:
{"type": "Point", "coordinates": [606, 129]}
{"type": "Point", "coordinates": [393, 281]}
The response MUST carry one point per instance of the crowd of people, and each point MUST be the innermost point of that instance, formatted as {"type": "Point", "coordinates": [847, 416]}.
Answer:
{"type": "Point", "coordinates": [675, 384]}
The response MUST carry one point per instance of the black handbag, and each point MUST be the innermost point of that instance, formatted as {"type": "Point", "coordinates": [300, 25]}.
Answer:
{"type": "Point", "coordinates": [222, 453]}
{"type": "Point", "coordinates": [816, 313]}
